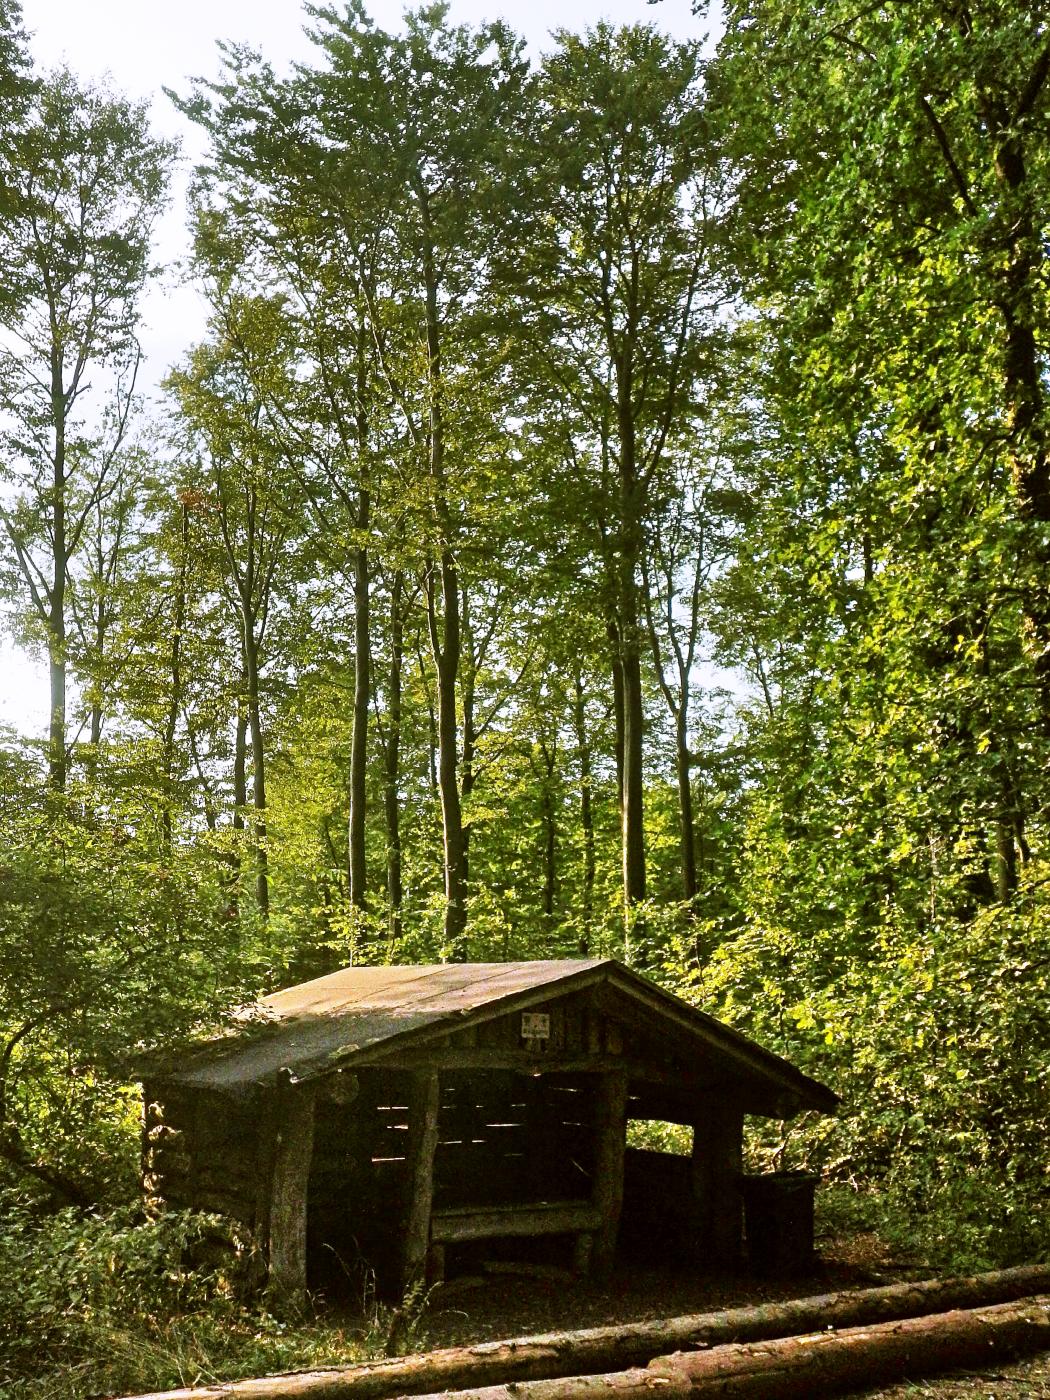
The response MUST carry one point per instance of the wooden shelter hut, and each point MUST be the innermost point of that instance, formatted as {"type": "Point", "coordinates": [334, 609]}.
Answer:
{"type": "Point", "coordinates": [394, 1115]}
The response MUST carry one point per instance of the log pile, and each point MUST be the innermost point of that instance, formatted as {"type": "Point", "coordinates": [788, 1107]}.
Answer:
{"type": "Point", "coordinates": [805, 1347]}
{"type": "Point", "coordinates": [806, 1368]}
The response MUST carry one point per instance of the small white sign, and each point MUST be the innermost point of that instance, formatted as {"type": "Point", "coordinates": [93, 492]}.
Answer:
{"type": "Point", "coordinates": [535, 1025]}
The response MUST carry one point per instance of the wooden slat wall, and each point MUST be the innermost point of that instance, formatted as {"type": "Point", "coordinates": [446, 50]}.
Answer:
{"type": "Point", "coordinates": [199, 1152]}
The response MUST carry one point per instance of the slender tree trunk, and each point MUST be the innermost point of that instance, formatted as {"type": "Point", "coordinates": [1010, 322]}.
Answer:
{"type": "Point", "coordinates": [631, 545]}
{"type": "Point", "coordinates": [468, 674]}
{"type": "Point", "coordinates": [251, 664]}
{"type": "Point", "coordinates": [550, 837]}
{"type": "Point", "coordinates": [56, 622]}
{"type": "Point", "coordinates": [445, 637]}
{"type": "Point", "coordinates": [392, 761]}
{"type": "Point", "coordinates": [619, 719]}
{"type": "Point", "coordinates": [240, 763]}
{"type": "Point", "coordinates": [1024, 385]}
{"type": "Point", "coordinates": [240, 789]}
{"type": "Point", "coordinates": [687, 827]}
{"type": "Point", "coordinates": [634, 884]}
{"type": "Point", "coordinates": [583, 751]}
{"type": "Point", "coordinates": [178, 625]}
{"type": "Point", "coordinates": [362, 696]}
{"type": "Point", "coordinates": [446, 649]}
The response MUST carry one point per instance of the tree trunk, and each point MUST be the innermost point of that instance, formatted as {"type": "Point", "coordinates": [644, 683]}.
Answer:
{"type": "Point", "coordinates": [619, 718]}
{"type": "Point", "coordinates": [251, 666]}
{"type": "Point", "coordinates": [56, 621]}
{"type": "Point", "coordinates": [631, 544]}
{"type": "Point", "coordinates": [392, 761]}
{"type": "Point", "coordinates": [240, 762]}
{"type": "Point", "coordinates": [357, 870]}
{"type": "Point", "coordinates": [240, 792]}
{"type": "Point", "coordinates": [446, 649]}
{"type": "Point", "coordinates": [178, 624]}
{"type": "Point", "coordinates": [802, 1368]}
{"type": "Point", "coordinates": [807, 1368]}
{"type": "Point", "coordinates": [445, 638]}
{"type": "Point", "coordinates": [687, 828]}
{"type": "Point", "coordinates": [1025, 398]}
{"type": "Point", "coordinates": [634, 884]}
{"type": "Point", "coordinates": [550, 837]}
{"type": "Point", "coordinates": [468, 676]}
{"type": "Point", "coordinates": [611, 1349]}
{"type": "Point", "coordinates": [583, 751]}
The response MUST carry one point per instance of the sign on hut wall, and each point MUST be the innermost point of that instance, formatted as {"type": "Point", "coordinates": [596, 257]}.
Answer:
{"type": "Point", "coordinates": [536, 1029]}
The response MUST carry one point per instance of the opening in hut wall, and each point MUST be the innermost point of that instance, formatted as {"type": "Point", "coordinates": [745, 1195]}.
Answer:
{"type": "Point", "coordinates": [504, 1139]}
{"type": "Point", "coordinates": [358, 1182]}
{"type": "Point", "coordinates": [509, 1137]}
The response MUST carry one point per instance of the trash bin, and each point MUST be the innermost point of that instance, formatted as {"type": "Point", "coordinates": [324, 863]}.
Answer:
{"type": "Point", "coordinates": [778, 1221]}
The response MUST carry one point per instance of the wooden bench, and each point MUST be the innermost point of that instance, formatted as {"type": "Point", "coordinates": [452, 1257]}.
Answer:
{"type": "Point", "coordinates": [455, 1224]}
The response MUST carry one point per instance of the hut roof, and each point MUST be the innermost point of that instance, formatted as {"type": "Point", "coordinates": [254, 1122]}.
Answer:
{"type": "Point", "coordinates": [345, 1019]}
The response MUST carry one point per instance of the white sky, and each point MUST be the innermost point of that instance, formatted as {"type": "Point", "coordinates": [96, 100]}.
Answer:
{"type": "Point", "coordinates": [143, 46]}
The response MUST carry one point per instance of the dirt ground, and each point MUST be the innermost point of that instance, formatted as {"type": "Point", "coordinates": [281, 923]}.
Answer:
{"type": "Point", "coordinates": [494, 1304]}
{"type": "Point", "coordinates": [1027, 1380]}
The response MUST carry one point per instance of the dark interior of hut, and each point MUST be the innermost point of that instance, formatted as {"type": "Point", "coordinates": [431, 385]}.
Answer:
{"type": "Point", "coordinates": [505, 1139]}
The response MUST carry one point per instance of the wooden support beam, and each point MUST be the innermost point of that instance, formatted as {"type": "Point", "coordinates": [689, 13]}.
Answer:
{"type": "Point", "coordinates": [610, 1145]}
{"type": "Point", "coordinates": [422, 1143]}
{"type": "Point", "coordinates": [582, 1249]}
{"type": "Point", "coordinates": [717, 1161]}
{"type": "Point", "coordinates": [293, 1150]}
{"type": "Point", "coordinates": [492, 1222]}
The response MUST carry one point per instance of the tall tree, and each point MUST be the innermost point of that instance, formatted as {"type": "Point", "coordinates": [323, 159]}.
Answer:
{"type": "Point", "coordinates": [84, 182]}
{"type": "Point", "coordinates": [256, 515]}
{"type": "Point", "coordinates": [398, 152]}
{"type": "Point", "coordinates": [893, 241]}
{"type": "Point", "coordinates": [628, 289]}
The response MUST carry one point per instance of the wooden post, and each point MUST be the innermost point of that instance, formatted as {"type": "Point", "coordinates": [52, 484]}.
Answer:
{"type": "Point", "coordinates": [609, 1147]}
{"type": "Point", "coordinates": [582, 1248]}
{"type": "Point", "coordinates": [293, 1150]}
{"type": "Point", "coordinates": [422, 1143]}
{"type": "Point", "coordinates": [718, 1143]}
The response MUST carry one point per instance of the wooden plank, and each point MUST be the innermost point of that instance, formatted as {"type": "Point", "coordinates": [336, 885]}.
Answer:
{"type": "Point", "coordinates": [526, 1062]}
{"type": "Point", "coordinates": [610, 1145]}
{"type": "Point", "coordinates": [288, 1187]}
{"type": "Point", "coordinates": [424, 1103]}
{"type": "Point", "coordinates": [556, 1218]}
{"type": "Point", "coordinates": [717, 1161]}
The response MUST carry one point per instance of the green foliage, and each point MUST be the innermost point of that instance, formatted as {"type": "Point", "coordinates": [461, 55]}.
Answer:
{"type": "Point", "coordinates": [111, 945]}
{"type": "Point", "coordinates": [525, 394]}
{"type": "Point", "coordinates": [938, 1047]}
{"type": "Point", "coordinates": [114, 1304]}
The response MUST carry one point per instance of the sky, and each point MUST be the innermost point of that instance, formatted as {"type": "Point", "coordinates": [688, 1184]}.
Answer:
{"type": "Point", "coordinates": [143, 46]}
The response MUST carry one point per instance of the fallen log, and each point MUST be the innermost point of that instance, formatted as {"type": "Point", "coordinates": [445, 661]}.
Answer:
{"type": "Point", "coordinates": [808, 1368]}
{"type": "Point", "coordinates": [611, 1349]}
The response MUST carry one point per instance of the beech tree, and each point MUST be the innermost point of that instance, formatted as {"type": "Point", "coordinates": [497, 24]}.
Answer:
{"type": "Point", "coordinates": [84, 182]}
{"type": "Point", "coordinates": [627, 289]}
{"type": "Point", "coordinates": [398, 150]}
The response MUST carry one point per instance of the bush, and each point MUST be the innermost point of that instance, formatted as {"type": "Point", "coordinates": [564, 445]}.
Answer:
{"type": "Point", "coordinates": [938, 1041]}
{"type": "Point", "coordinates": [111, 1305]}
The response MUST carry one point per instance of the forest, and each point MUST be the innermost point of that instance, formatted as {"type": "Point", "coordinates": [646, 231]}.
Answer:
{"type": "Point", "coordinates": [608, 515]}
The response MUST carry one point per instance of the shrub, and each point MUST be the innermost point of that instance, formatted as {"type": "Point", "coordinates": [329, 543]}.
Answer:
{"type": "Point", "coordinates": [114, 1304]}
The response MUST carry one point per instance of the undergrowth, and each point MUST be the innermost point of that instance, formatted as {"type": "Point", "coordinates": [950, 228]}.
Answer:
{"type": "Point", "coordinates": [113, 1305]}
